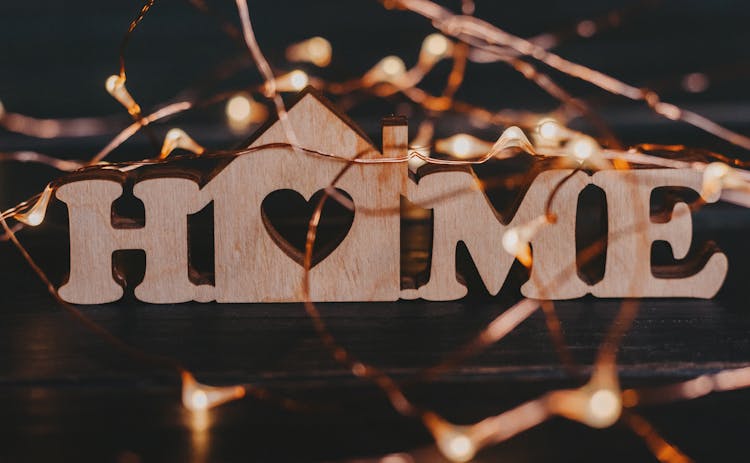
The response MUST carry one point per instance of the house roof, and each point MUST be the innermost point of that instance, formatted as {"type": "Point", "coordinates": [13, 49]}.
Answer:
{"type": "Point", "coordinates": [318, 126]}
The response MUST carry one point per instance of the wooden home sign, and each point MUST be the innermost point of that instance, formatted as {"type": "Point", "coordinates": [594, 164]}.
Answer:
{"type": "Point", "coordinates": [252, 263]}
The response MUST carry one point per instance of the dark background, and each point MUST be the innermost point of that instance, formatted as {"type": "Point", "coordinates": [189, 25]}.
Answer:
{"type": "Point", "coordinates": [67, 396]}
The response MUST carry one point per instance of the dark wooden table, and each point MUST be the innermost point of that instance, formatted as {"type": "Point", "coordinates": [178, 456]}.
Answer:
{"type": "Point", "coordinates": [68, 395]}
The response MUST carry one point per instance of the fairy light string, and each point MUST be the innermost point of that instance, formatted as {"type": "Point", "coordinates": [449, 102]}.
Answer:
{"type": "Point", "coordinates": [457, 26]}
{"type": "Point", "coordinates": [600, 402]}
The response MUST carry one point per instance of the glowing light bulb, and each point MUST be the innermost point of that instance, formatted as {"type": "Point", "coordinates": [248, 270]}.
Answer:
{"type": "Point", "coordinates": [35, 215]}
{"type": "Point", "coordinates": [456, 446]}
{"type": "Point", "coordinates": [517, 247]}
{"type": "Point", "coordinates": [178, 139]}
{"type": "Point", "coordinates": [298, 79]}
{"type": "Point", "coordinates": [239, 108]}
{"type": "Point", "coordinates": [604, 408]}
{"type": "Point", "coordinates": [511, 240]}
{"type": "Point", "coordinates": [316, 50]}
{"type": "Point", "coordinates": [290, 82]}
{"type": "Point", "coordinates": [437, 44]}
{"type": "Point", "coordinates": [551, 131]}
{"type": "Point", "coordinates": [415, 162]}
{"type": "Point", "coordinates": [199, 400]}
{"type": "Point", "coordinates": [512, 137]}
{"type": "Point", "coordinates": [516, 240]}
{"type": "Point", "coordinates": [389, 69]}
{"type": "Point", "coordinates": [115, 85]}
{"type": "Point", "coordinates": [242, 111]}
{"type": "Point", "coordinates": [434, 48]}
{"type": "Point", "coordinates": [452, 441]}
{"type": "Point", "coordinates": [197, 397]}
{"type": "Point", "coordinates": [584, 147]}
{"type": "Point", "coordinates": [513, 133]}
{"type": "Point", "coordinates": [714, 176]}
{"type": "Point", "coordinates": [393, 66]}
{"type": "Point", "coordinates": [716, 170]}
{"type": "Point", "coordinates": [718, 176]}
{"type": "Point", "coordinates": [463, 146]}
{"type": "Point", "coordinates": [320, 51]}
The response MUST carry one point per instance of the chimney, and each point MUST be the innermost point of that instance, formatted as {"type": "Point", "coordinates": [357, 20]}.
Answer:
{"type": "Point", "coordinates": [395, 131]}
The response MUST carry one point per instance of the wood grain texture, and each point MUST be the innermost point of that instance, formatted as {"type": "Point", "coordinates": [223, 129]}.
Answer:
{"type": "Point", "coordinates": [313, 146]}
{"type": "Point", "coordinates": [462, 213]}
{"type": "Point", "coordinates": [632, 231]}
{"type": "Point", "coordinates": [250, 267]}
{"type": "Point", "coordinates": [61, 386]}
{"type": "Point", "coordinates": [66, 397]}
{"type": "Point", "coordinates": [93, 239]}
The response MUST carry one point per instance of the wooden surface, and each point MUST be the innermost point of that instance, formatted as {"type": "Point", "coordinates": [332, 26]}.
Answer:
{"type": "Point", "coordinates": [463, 214]}
{"type": "Point", "coordinates": [163, 238]}
{"type": "Point", "coordinates": [255, 261]}
{"type": "Point", "coordinates": [632, 231]}
{"type": "Point", "coordinates": [66, 395]}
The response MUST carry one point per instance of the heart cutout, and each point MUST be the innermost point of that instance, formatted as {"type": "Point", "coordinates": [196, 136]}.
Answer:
{"type": "Point", "coordinates": [286, 215]}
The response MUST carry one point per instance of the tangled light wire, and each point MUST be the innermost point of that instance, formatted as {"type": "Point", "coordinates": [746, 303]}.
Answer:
{"type": "Point", "coordinates": [600, 401]}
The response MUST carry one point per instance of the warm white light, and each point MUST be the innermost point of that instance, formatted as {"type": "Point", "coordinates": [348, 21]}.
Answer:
{"type": "Point", "coordinates": [454, 442]}
{"type": "Point", "coordinates": [389, 69]}
{"type": "Point", "coordinates": [242, 111]}
{"type": "Point", "coordinates": [716, 177]}
{"type": "Point", "coordinates": [512, 137]}
{"type": "Point", "coordinates": [114, 82]}
{"type": "Point", "coordinates": [434, 48]}
{"type": "Point", "coordinates": [199, 397]}
{"type": "Point", "coordinates": [415, 162]}
{"type": "Point", "coordinates": [239, 108]}
{"type": "Point", "coordinates": [291, 82]}
{"type": "Point", "coordinates": [584, 147]}
{"type": "Point", "coordinates": [298, 79]}
{"type": "Point", "coordinates": [178, 139]}
{"type": "Point", "coordinates": [35, 218]}
{"type": "Point", "coordinates": [516, 240]}
{"type": "Point", "coordinates": [463, 146]}
{"type": "Point", "coordinates": [320, 51]}
{"type": "Point", "coordinates": [115, 85]}
{"type": "Point", "coordinates": [604, 408]}
{"type": "Point", "coordinates": [456, 446]}
{"type": "Point", "coordinates": [550, 133]}
{"type": "Point", "coordinates": [393, 66]}
{"type": "Point", "coordinates": [515, 243]}
{"type": "Point", "coordinates": [436, 44]}
{"type": "Point", "coordinates": [550, 130]}
{"type": "Point", "coordinates": [513, 133]}
{"type": "Point", "coordinates": [511, 240]}
{"type": "Point", "coordinates": [35, 215]}
{"type": "Point", "coordinates": [316, 50]}
{"type": "Point", "coordinates": [716, 171]}
{"type": "Point", "coordinates": [198, 400]}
